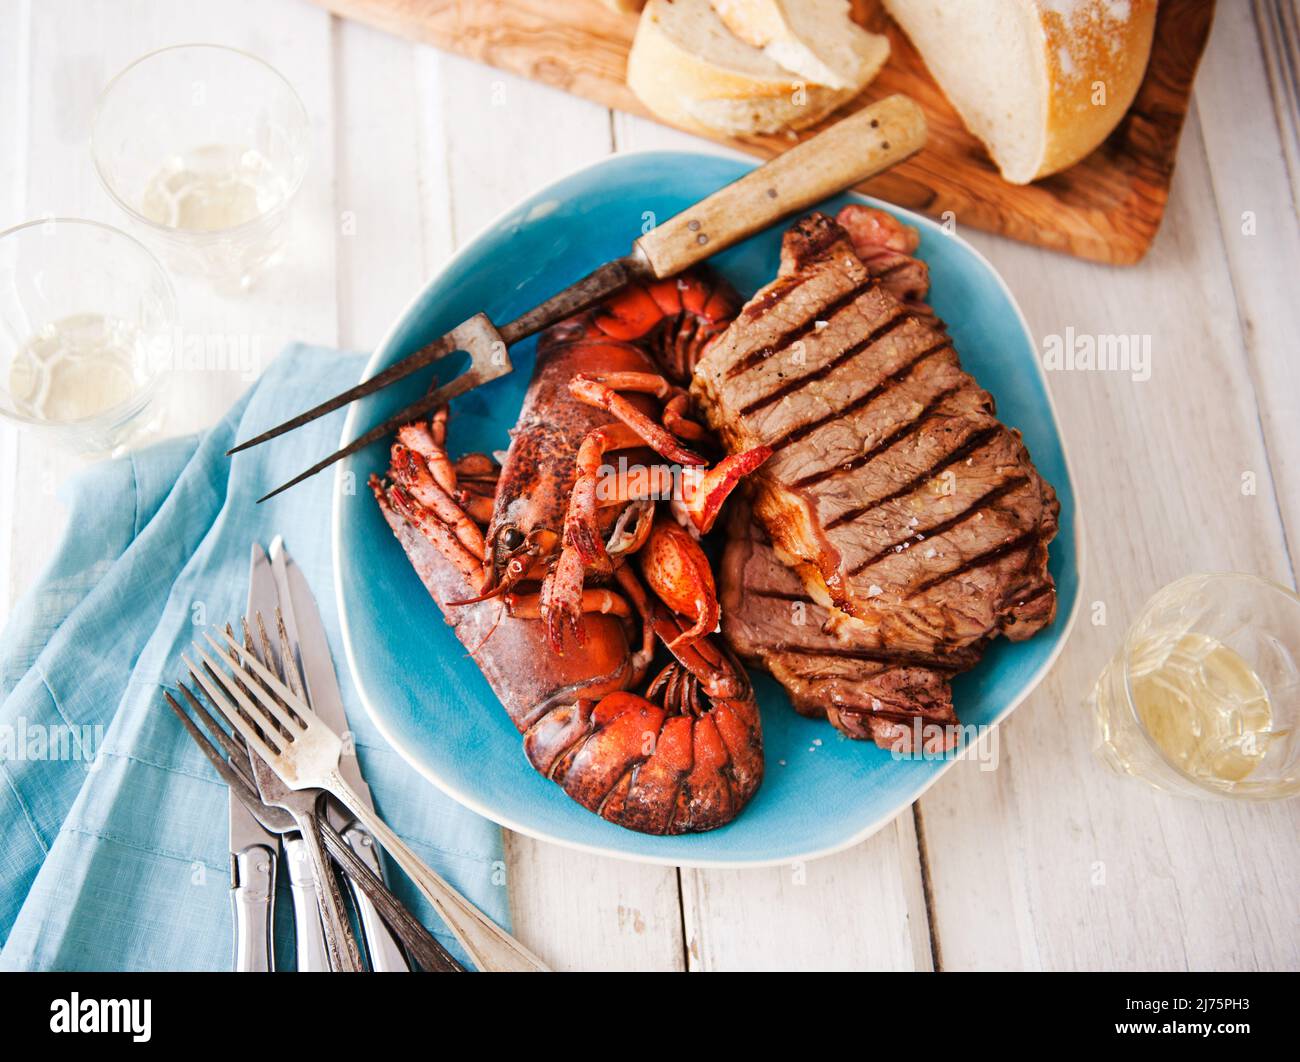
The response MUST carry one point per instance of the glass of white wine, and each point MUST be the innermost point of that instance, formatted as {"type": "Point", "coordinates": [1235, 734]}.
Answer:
{"type": "Point", "coordinates": [1203, 698]}
{"type": "Point", "coordinates": [87, 328]}
{"type": "Point", "coordinates": [205, 147]}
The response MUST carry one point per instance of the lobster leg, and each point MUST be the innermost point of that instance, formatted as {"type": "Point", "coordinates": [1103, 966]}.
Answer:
{"type": "Point", "coordinates": [426, 493]}
{"type": "Point", "coordinates": [581, 530]}
{"type": "Point", "coordinates": [597, 390]}
{"type": "Point", "coordinates": [593, 599]}
{"type": "Point", "coordinates": [560, 597]}
{"type": "Point", "coordinates": [704, 501]}
{"type": "Point", "coordinates": [470, 481]}
{"type": "Point", "coordinates": [434, 529]}
{"type": "Point", "coordinates": [636, 593]}
{"type": "Point", "coordinates": [477, 506]}
{"type": "Point", "coordinates": [589, 387]}
{"type": "Point", "coordinates": [478, 467]}
{"type": "Point", "coordinates": [430, 442]}
{"type": "Point", "coordinates": [413, 473]}
{"type": "Point", "coordinates": [677, 422]}
{"type": "Point", "coordinates": [562, 591]}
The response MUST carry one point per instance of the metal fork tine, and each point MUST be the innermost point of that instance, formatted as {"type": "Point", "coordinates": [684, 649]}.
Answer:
{"type": "Point", "coordinates": [269, 658]}
{"type": "Point", "coordinates": [289, 658]}
{"type": "Point", "coordinates": [264, 715]}
{"type": "Point", "coordinates": [470, 378]}
{"type": "Point", "coordinates": [229, 774]}
{"type": "Point", "coordinates": [232, 747]}
{"type": "Point", "coordinates": [270, 684]}
{"type": "Point", "coordinates": [245, 729]}
{"type": "Point", "coordinates": [250, 702]}
{"type": "Point", "coordinates": [436, 350]}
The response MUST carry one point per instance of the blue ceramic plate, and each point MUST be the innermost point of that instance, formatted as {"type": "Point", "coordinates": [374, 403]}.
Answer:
{"type": "Point", "coordinates": [821, 792]}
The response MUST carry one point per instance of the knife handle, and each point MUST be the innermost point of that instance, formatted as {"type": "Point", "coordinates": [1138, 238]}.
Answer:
{"type": "Point", "coordinates": [308, 932]}
{"type": "Point", "coordinates": [490, 947]}
{"type": "Point", "coordinates": [252, 891]}
{"type": "Point", "coordinates": [837, 158]}
{"type": "Point", "coordinates": [385, 953]}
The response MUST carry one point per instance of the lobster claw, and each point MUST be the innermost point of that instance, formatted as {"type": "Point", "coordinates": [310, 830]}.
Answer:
{"type": "Point", "coordinates": [676, 569]}
{"type": "Point", "coordinates": [704, 493]}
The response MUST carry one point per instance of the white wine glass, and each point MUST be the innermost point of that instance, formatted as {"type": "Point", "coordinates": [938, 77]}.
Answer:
{"type": "Point", "coordinates": [87, 329]}
{"type": "Point", "coordinates": [1203, 697]}
{"type": "Point", "coordinates": [205, 148]}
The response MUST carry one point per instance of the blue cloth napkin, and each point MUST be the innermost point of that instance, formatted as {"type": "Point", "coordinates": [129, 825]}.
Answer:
{"type": "Point", "coordinates": [115, 853]}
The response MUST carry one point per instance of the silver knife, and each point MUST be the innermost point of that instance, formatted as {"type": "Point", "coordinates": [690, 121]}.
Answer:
{"type": "Point", "coordinates": [253, 852]}
{"type": "Point", "coordinates": [303, 623]}
{"type": "Point", "coordinates": [309, 935]}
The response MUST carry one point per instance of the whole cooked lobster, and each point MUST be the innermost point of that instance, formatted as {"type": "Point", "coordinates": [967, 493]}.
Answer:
{"type": "Point", "coordinates": [531, 563]}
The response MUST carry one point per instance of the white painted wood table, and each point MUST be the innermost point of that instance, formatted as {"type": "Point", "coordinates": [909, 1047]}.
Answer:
{"type": "Point", "coordinates": [1048, 862]}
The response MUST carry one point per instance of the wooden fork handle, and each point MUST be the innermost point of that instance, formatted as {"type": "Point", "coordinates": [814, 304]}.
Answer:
{"type": "Point", "coordinates": [490, 947]}
{"type": "Point", "coordinates": [837, 158]}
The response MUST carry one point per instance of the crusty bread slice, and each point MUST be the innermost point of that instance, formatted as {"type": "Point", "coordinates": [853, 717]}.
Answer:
{"type": "Point", "coordinates": [1041, 82]}
{"type": "Point", "coordinates": [815, 39]}
{"type": "Point", "coordinates": [690, 70]}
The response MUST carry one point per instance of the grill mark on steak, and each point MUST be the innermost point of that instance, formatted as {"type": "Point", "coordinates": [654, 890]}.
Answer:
{"type": "Point", "coordinates": [925, 416]}
{"type": "Point", "coordinates": [982, 502]}
{"type": "Point", "coordinates": [772, 297]}
{"type": "Point", "coordinates": [892, 657]}
{"type": "Point", "coordinates": [800, 331]}
{"type": "Point", "coordinates": [802, 432]}
{"type": "Point", "coordinates": [1033, 595]}
{"type": "Point", "coordinates": [1016, 545]}
{"type": "Point", "coordinates": [899, 318]}
{"type": "Point", "coordinates": [972, 443]}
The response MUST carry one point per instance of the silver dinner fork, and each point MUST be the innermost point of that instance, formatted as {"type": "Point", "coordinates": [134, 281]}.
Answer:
{"type": "Point", "coordinates": [235, 771]}
{"type": "Point", "coordinates": [304, 806]}
{"type": "Point", "coordinates": [305, 753]}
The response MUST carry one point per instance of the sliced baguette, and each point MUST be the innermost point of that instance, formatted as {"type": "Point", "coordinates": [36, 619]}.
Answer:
{"type": "Point", "coordinates": [690, 70]}
{"type": "Point", "coordinates": [1041, 82]}
{"type": "Point", "coordinates": [815, 39]}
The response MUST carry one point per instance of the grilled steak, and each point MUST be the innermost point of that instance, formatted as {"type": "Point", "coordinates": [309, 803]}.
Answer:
{"type": "Point", "coordinates": [894, 492]}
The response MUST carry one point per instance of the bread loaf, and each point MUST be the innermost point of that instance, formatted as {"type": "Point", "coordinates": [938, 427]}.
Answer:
{"type": "Point", "coordinates": [1041, 82]}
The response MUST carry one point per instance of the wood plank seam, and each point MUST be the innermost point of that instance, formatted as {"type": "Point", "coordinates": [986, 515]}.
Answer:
{"type": "Point", "coordinates": [1250, 356]}
{"type": "Point", "coordinates": [1278, 34]}
{"type": "Point", "coordinates": [342, 286]}
{"type": "Point", "coordinates": [931, 922]}
{"type": "Point", "coordinates": [681, 913]}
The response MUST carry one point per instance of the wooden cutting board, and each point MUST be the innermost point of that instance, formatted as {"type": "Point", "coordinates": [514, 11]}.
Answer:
{"type": "Point", "coordinates": [1107, 207]}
